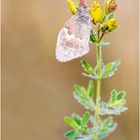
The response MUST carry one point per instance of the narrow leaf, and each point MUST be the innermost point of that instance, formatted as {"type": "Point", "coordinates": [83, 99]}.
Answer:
{"type": "Point", "coordinates": [108, 67]}
{"type": "Point", "coordinates": [93, 37]}
{"type": "Point", "coordinates": [109, 16]}
{"type": "Point", "coordinates": [90, 89]}
{"type": "Point", "coordinates": [104, 43]}
{"type": "Point", "coordinates": [113, 95]}
{"type": "Point", "coordinates": [84, 91]}
{"type": "Point", "coordinates": [77, 88]}
{"type": "Point", "coordinates": [85, 119]}
{"type": "Point", "coordinates": [70, 134]}
{"type": "Point", "coordinates": [85, 137]}
{"type": "Point", "coordinates": [87, 67]}
{"type": "Point", "coordinates": [77, 118]}
{"type": "Point", "coordinates": [71, 122]}
{"type": "Point", "coordinates": [121, 95]}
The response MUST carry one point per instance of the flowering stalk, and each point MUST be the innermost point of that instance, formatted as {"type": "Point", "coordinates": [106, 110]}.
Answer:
{"type": "Point", "coordinates": [105, 23]}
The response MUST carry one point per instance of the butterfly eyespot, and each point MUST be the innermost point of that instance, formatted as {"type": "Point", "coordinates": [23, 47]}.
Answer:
{"type": "Point", "coordinates": [69, 32]}
{"type": "Point", "coordinates": [62, 43]}
{"type": "Point", "coordinates": [69, 44]}
{"type": "Point", "coordinates": [66, 43]}
{"type": "Point", "coordinates": [67, 27]}
{"type": "Point", "coordinates": [76, 46]}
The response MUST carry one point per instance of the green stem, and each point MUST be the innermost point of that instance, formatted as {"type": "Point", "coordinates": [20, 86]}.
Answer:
{"type": "Point", "coordinates": [98, 84]}
{"type": "Point", "coordinates": [98, 96]}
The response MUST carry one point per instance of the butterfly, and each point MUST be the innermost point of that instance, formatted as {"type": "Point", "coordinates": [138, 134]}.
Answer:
{"type": "Point", "coordinates": [73, 39]}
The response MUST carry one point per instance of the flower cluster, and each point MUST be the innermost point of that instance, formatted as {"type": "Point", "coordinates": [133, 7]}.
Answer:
{"type": "Point", "coordinates": [103, 16]}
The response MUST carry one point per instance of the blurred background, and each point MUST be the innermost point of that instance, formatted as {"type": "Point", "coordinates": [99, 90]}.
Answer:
{"type": "Point", "coordinates": [37, 89]}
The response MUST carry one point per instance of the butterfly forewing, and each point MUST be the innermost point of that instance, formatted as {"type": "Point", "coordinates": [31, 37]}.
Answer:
{"type": "Point", "coordinates": [73, 39]}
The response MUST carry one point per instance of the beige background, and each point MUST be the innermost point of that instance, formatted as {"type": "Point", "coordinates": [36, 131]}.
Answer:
{"type": "Point", "coordinates": [37, 90]}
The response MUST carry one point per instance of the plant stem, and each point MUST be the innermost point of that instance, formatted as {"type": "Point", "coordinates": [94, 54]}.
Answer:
{"type": "Point", "coordinates": [98, 96]}
{"type": "Point", "coordinates": [98, 83]}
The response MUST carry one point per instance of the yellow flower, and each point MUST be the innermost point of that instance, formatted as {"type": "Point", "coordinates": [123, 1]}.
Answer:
{"type": "Point", "coordinates": [110, 6]}
{"type": "Point", "coordinates": [96, 12]}
{"type": "Point", "coordinates": [72, 6]}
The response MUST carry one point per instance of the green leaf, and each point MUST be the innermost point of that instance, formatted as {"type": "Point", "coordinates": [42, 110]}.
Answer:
{"type": "Point", "coordinates": [115, 105]}
{"type": "Point", "coordinates": [80, 90]}
{"type": "Point", "coordinates": [104, 43]}
{"type": "Point", "coordinates": [85, 119]}
{"type": "Point", "coordinates": [76, 118]}
{"type": "Point", "coordinates": [107, 121]}
{"type": "Point", "coordinates": [110, 68]}
{"type": "Point", "coordinates": [118, 103]}
{"type": "Point", "coordinates": [107, 126]}
{"type": "Point", "coordinates": [93, 37]}
{"type": "Point", "coordinates": [90, 89]}
{"type": "Point", "coordinates": [90, 76]}
{"type": "Point", "coordinates": [71, 122]}
{"type": "Point", "coordinates": [70, 134]}
{"type": "Point", "coordinates": [110, 16]}
{"type": "Point", "coordinates": [84, 137]}
{"type": "Point", "coordinates": [87, 67]}
{"type": "Point", "coordinates": [84, 91]}
{"type": "Point", "coordinates": [82, 96]}
{"type": "Point", "coordinates": [117, 98]}
{"type": "Point", "coordinates": [121, 95]}
{"type": "Point", "coordinates": [113, 96]}
{"type": "Point", "coordinates": [93, 130]}
{"type": "Point", "coordinates": [104, 107]}
{"type": "Point", "coordinates": [77, 88]}
{"type": "Point", "coordinates": [85, 101]}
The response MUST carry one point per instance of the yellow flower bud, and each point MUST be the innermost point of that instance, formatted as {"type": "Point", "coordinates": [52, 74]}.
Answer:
{"type": "Point", "coordinates": [110, 6]}
{"type": "Point", "coordinates": [109, 26]}
{"type": "Point", "coordinates": [96, 12]}
{"type": "Point", "coordinates": [103, 27]}
{"type": "Point", "coordinates": [72, 6]}
{"type": "Point", "coordinates": [112, 24]}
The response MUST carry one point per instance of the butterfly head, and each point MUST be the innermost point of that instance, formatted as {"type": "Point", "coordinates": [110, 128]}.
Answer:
{"type": "Point", "coordinates": [83, 14]}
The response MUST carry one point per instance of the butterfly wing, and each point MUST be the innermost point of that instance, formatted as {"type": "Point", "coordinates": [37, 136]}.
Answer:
{"type": "Point", "coordinates": [73, 39]}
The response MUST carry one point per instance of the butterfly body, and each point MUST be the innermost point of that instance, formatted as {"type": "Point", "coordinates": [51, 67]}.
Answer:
{"type": "Point", "coordinates": [73, 39]}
